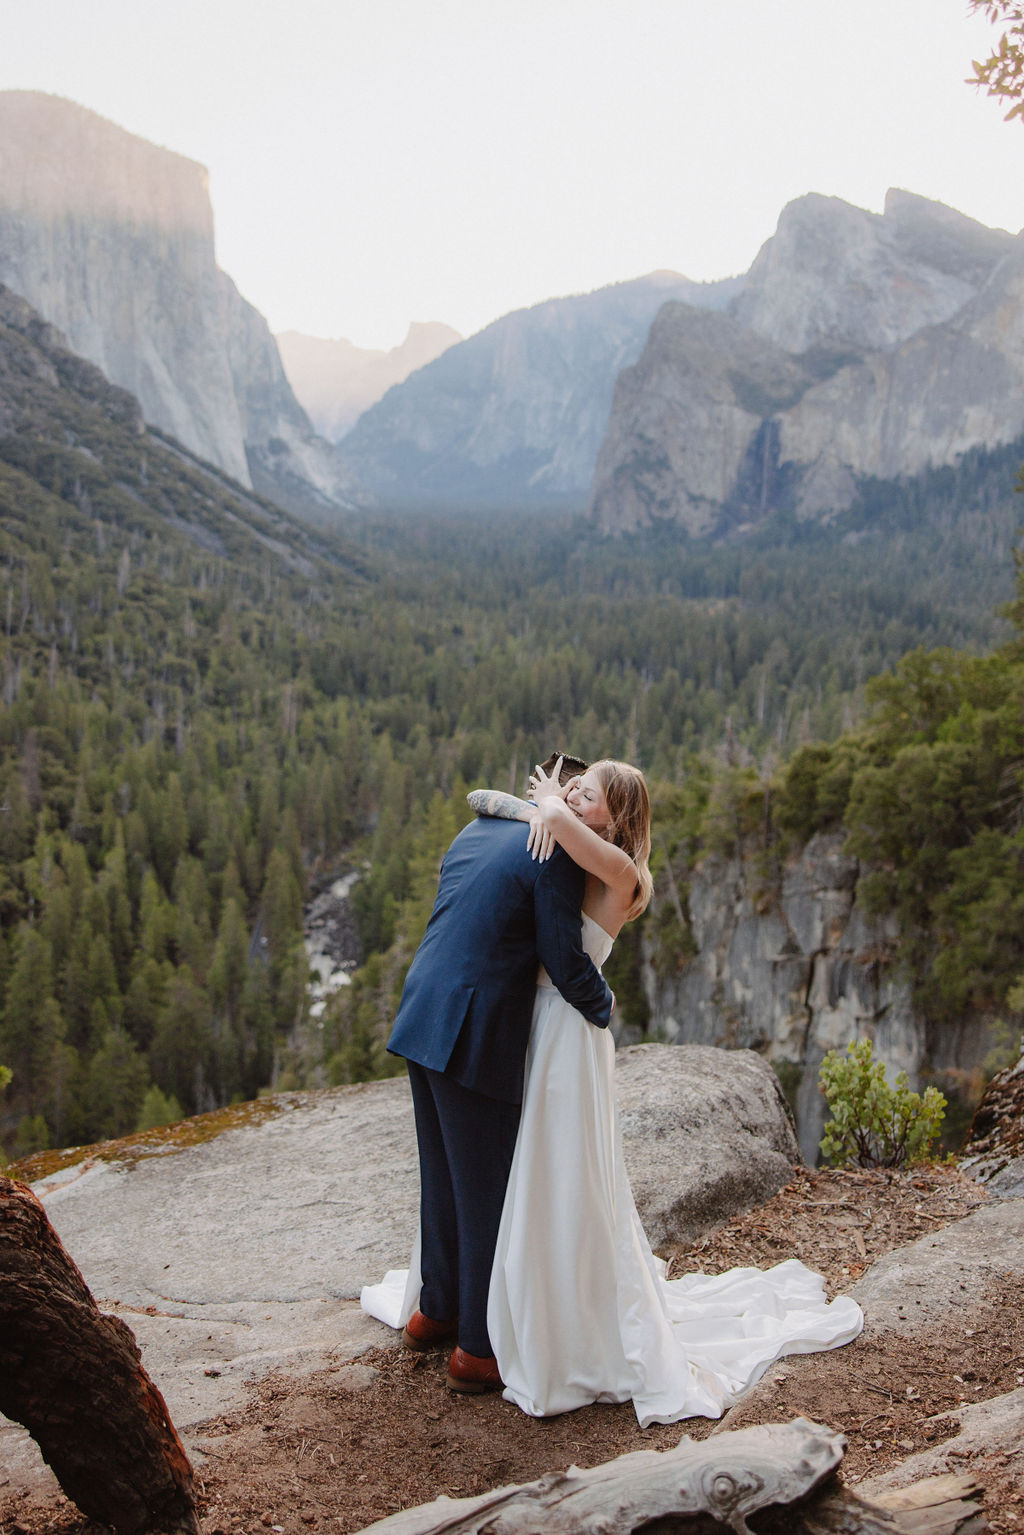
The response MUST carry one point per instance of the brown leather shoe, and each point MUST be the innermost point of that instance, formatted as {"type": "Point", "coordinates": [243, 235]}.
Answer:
{"type": "Point", "coordinates": [470, 1374]}
{"type": "Point", "coordinates": [421, 1333]}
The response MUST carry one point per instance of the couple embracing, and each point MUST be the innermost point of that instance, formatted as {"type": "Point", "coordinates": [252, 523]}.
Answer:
{"type": "Point", "coordinates": [531, 1258]}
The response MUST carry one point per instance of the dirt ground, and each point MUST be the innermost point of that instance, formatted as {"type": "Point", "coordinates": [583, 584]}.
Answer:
{"type": "Point", "coordinates": [335, 1451]}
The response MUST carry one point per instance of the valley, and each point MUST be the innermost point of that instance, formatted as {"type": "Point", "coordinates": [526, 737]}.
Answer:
{"type": "Point", "coordinates": [668, 521]}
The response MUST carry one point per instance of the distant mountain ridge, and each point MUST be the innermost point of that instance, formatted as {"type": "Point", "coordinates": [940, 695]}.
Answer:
{"type": "Point", "coordinates": [515, 415]}
{"type": "Point", "coordinates": [335, 381]}
{"type": "Point", "coordinates": [860, 345]}
{"type": "Point", "coordinates": [857, 346]}
{"type": "Point", "coordinates": [111, 239]}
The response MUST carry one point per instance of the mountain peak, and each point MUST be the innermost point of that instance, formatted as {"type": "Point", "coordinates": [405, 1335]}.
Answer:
{"type": "Point", "coordinates": [901, 205]}
{"type": "Point", "coordinates": [336, 381]}
{"type": "Point", "coordinates": [429, 331]}
{"type": "Point", "coordinates": [837, 275]}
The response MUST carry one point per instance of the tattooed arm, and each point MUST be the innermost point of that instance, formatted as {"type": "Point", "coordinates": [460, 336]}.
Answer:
{"type": "Point", "coordinates": [506, 806]}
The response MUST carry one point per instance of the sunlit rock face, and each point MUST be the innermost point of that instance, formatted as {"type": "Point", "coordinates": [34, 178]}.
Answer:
{"type": "Point", "coordinates": [860, 344]}
{"type": "Point", "coordinates": [515, 414]}
{"type": "Point", "coordinates": [111, 239]}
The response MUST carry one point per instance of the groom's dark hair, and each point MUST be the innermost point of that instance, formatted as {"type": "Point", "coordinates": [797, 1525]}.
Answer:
{"type": "Point", "coordinates": [572, 767]}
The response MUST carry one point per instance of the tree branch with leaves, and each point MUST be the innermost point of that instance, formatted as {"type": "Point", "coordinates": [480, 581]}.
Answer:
{"type": "Point", "coordinates": [1002, 73]}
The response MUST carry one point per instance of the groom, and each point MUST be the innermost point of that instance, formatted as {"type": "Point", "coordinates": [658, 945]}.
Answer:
{"type": "Point", "coordinates": [463, 1025]}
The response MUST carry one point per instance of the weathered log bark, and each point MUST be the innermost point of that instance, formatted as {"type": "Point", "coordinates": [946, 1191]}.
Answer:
{"type": "Point", "coordinates": [942, 1505]}
{"type": "Point", "coordinates": [779, 1475]}
{"type": "Point", "coordinates": [73, 1377]}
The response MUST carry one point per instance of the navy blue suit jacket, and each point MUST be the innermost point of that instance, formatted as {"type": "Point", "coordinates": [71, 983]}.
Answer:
{"type": "Point", "coordinates": [468, 999]}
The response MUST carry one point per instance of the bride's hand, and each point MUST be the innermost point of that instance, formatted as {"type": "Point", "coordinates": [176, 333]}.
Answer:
{"type": "Point", "coordinates": [541, 841]}
{"type": "Point", "coordinates": [543, 784]}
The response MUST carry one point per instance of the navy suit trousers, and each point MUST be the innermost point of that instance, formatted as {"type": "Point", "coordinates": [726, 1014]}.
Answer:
{"type": "Point", "coordinates": [466, 1141]}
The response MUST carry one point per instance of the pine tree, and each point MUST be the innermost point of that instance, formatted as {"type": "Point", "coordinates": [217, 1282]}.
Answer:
{"type": "Point", "coordinates": [179, 1055]}
{"type": "Point", "coordinates": [117, 1082]}
{"type": "Point", "coordinates": [158, 1109]}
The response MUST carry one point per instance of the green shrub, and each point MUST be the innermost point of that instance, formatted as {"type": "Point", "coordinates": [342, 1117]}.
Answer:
{"type": "Point", "coordinates": [158, 1109]}
{"type": "Point", "coordinates": [875, 1124]}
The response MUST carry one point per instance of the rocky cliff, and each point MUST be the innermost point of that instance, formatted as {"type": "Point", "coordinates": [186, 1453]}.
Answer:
{"type": "Point", "coordinates": [860, 345]}
{"type": "Point", "coordinates": [335, 381]}
{"type": "Point", "coordinates": [994, 1150]}
{"type": "Point", "coordinates": [67, 432]}
{"type": "Point", "coordinates": [111, 239]}
{"type": "Point", "coordinates": [836, 275]}
{"type": "Point", "coordinates": [516, 413]}
{"type": "Point", "coordinates": [692, 435]}
{"type": "Point", "coordinates": [794, 970]}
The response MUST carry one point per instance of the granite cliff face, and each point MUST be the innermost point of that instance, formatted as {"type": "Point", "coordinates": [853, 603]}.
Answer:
{"type": "Point", "coordinates": [686, 427]}
{"type": "Point", "coordinates": [836, 275]}
{"type": "Point", "coordinates": [111, 239]}
{"type": "Point", "coordinates": [901, 338]}
{"type": "Point", "coordinates": [796, 972]}
{"type": "Point", "coordinates": [516, 413]}
{"type": "Point", "coordinates": [335, 381]}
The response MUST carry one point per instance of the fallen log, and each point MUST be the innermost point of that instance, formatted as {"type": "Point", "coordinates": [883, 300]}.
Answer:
{"type": "Point", "coordinates": [942, 1505]}
{"type": "Point", "coordinates": [782, 1475]}
{"type": "Point", "coordinates": [74, 1379]}
{"type": "Point", "coordinates": [930, 1507]}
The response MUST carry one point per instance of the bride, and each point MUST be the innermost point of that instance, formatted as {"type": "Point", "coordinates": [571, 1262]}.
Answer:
{"type": "Point", "coordinates": [579, 1309]}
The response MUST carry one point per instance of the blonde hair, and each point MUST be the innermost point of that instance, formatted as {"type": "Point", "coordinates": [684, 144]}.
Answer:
{"type": "Point", "coordinates": [629, 806]}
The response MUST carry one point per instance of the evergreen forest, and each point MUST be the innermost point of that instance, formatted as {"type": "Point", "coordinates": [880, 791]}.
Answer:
{"type": "Point", "coordinates": [210, 708]}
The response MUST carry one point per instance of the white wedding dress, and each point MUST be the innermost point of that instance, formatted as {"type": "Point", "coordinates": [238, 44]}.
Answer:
{"type": "Point", "coordinates": [579, 1308]}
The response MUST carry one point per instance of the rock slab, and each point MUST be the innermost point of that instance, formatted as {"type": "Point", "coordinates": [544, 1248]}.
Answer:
{"type": "Point", "coordinates": [927, 1288]}
{"type": "Point", "coordinates": [707, 1134]}
{"type": "Point", "coordinates": [995, 1427]}
{"type": "Point", "coordinates": [247, 1252]}
{"type": "Point", "coordinates": [924, 1285]}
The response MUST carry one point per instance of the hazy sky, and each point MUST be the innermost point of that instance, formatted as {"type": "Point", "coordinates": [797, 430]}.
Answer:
{"type": "Point", "coordinates": [378, 161]}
